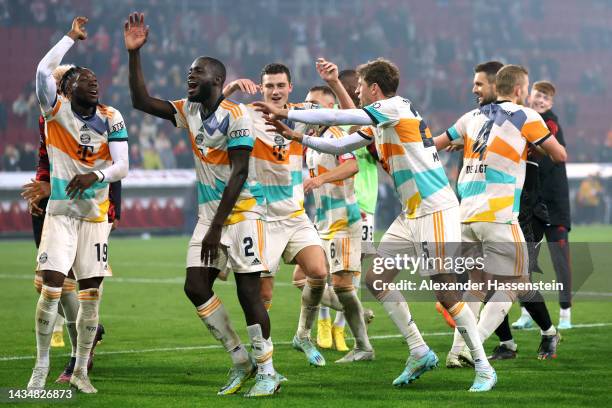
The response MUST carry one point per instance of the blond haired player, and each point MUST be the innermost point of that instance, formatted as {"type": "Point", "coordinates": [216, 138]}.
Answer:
{"type": "Point", "coordinates": [87, 147]}
{"type": "Point", "coordinates": [496, 137]}
{"type": "Point", "coordinates": [429, 215]}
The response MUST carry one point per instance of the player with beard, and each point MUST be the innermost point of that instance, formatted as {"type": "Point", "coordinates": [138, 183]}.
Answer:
{"type": "Point", "coordinates": [496, 137]}
{"type": "Point", "coordinates": [429, 218]}
{"type": "Point", "coordinates": [230, 228]}
{"type": "Point", "coordinates": [485, 91]}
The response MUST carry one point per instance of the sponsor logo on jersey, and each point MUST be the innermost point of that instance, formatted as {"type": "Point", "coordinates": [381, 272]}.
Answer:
{"type": "Point", "coordinates": [240, 133]}
{"type": "Point", "coordinates": [117, 127]}
{"type": "Point", "coordinates": [255, 262]}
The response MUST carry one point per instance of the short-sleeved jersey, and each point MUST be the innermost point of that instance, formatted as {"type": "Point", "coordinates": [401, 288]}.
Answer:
{"type": "Point", "coordinates": [407, 152]}
{"type": "Point", "coordinates": [228, 126]}
{"type": "Point", "coordinates": [77, 145]}
{"type": "Point", "coordinates": [335, 203]}
{"type": "Point", "coordinates": [278, 164]}
{"type": "Point", "coordinates": [495, 149]}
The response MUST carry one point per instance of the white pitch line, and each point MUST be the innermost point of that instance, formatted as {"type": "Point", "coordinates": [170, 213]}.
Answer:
{"type": "Point", "coordinates": [181, 280]}
{"type": "Point", "coordinates": [278, 343]}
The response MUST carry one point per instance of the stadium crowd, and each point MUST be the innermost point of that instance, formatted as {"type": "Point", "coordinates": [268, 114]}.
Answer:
{"type": "Point", "coordinates": [437, 61]}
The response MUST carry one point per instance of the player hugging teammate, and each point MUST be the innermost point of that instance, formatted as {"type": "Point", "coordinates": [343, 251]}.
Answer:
{"type": "Point", "coordinates": [248, 166]}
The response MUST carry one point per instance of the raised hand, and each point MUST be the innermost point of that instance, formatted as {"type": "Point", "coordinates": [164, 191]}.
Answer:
{"type": "Point", "coordinates": [279, 127]}
{"type": "Point", "coordinates": [135, 32]}
{"type": "Point", "coordinates": [272, 111]}
{"type": "Point", "coordinates": [78, 32]}
{"type": "Point", "coordinates": [328, 71]}
{"type": "Point", "coordinates": [244, 85]}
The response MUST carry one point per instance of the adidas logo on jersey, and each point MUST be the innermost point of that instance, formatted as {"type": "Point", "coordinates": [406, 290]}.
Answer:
{"type": "Point", "coordinates": [256, 262]}
{"type": "Point", "coordinates": [84, 128]}
{"type": "Point", "coordinates": [336, 262]}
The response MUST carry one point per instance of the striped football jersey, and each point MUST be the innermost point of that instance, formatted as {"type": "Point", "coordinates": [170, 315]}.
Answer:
{"type": "Point", "coordinates": [228, 127]}
{"type": "Point", "coordinates": [278, 164]}
{"type": "Point", "coordinates": [78, 145]}
{"type": "Point", "coordinates": [407, 152]}
{"type": "Point", "coordinates": [335, 203]}
{"type": "Point", "coordinates": [495, 149]}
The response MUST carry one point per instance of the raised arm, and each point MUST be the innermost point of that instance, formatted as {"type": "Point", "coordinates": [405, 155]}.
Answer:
{"type": "Point", "coordinates": [243, 84]}
{"type": "Point", "coordinates": [46, 88]}
{"type": "Point", "coordinates": [135, 34]}
{"type": "Point", "coordinates": [331, 116]}
{"type": "Point", "coordinates": [316, 116]}
{"type": "Point", "coordinates": [339, 146]}
{"type": "Point", "coordinates": [328, 71]}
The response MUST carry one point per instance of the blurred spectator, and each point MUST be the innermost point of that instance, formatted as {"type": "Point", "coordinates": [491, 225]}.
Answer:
{"type": "Point", "coordinates": [3, 113]}
{"type": "Point", "coordinates": [435, 45]}
{"type": "Point", "coordinates": [28, 157]}
{"type": "Point", "coordinates": [184, 157]}
{"type": "Point", "coordinates": [589, 200]}
{"type": "Point", "coordinates": [38, 9]}
{"type": "Point", "coordinates": [135, 156]}
{"type": "Point", "coordinates": [150, 159]}
{"type": "Point", "coordinates": [20, 105]}
{"type": "Point", "coordinates": [164, 149]}
{"type": "Point", "coordinates": [10, 159]}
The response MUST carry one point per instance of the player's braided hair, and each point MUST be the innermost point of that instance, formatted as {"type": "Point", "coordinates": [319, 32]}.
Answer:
{"type": "Point", "coordinates": [67, 78]}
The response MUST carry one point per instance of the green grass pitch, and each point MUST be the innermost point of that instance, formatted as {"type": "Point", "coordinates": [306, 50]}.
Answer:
{"type": "Point", "coordinates": [158, 354]}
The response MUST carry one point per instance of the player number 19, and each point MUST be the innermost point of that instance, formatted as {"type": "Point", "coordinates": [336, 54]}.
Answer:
{"type": "Point", "coordinates": [102, 252]}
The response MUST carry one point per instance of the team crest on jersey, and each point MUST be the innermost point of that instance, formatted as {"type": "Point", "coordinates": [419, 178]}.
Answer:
{"type": "Point", "coordinates": [199, 139]}
{"type": "Point", "coordinates": [42, 258]}
{"type": "Point", "coordinates": [85, 139]}
{"type": "Point", "coordinates": [279, 140]}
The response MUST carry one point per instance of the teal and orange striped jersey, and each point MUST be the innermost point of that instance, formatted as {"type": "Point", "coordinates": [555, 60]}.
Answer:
{"type": "Point", "coordinates": [335, 203]}
{"type": "Point", "coordinates": [278, 164]}
{"type": "Point", "coordinates": [494, 158]}
{"type": "Point", "coordinates": [78, 145]}
{"type": "Point", "coordinates": [228, 127]}
{"type": "Point", "coordinates": [407, 152]}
